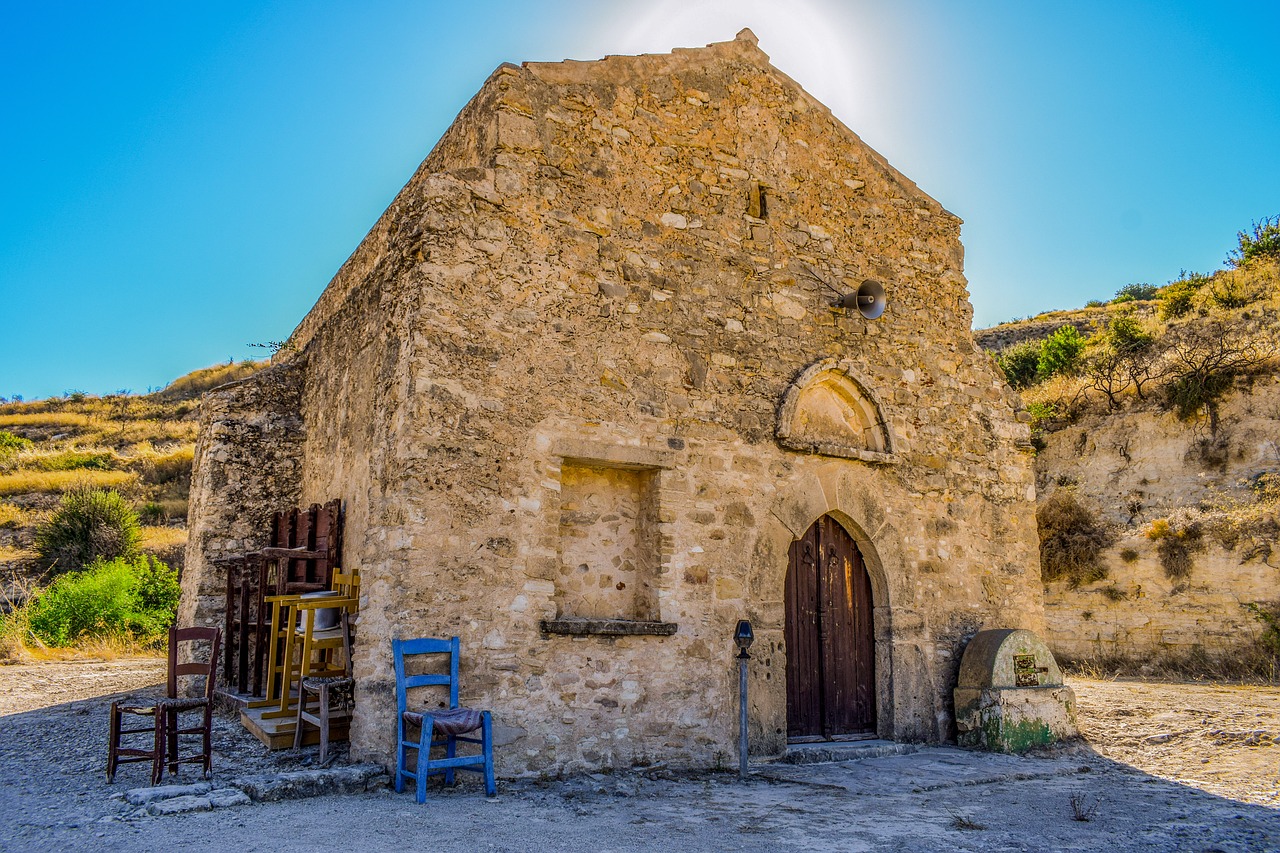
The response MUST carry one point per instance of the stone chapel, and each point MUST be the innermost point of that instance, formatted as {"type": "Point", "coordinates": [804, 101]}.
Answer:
{"type": "Point", "coordinates": [588, 399]}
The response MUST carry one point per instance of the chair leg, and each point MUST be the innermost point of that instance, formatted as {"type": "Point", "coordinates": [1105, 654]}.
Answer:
{"type": "Point", "coordinates": [324, 722]}
{"type": "Point", "coordinates": [402, 756]}
{"type": "Point", "coordinates": [450, 751]}
{"type": "Point", "coordinates": [171, 722]}
{"type": "Point", "coordinates": [298, 722]}
{"type": "Point", "coordinates": [208, 739]}
{"type": "Point", "coordinates": [157, 754]}
{"type": "Point", "coordinates": [490, 786]}
{"type": "Point", "coordinates": [424, 756]}
{"type": "Point", "coordinates": [113, 746]}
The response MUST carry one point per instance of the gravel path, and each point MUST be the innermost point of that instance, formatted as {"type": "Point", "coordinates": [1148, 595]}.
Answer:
{"type": "Point", "coordinates": [54, 796]}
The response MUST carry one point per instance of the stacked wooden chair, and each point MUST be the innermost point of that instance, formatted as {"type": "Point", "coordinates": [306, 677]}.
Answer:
{"type": "Point", "coordinates": [165, 727]}
{"type": "Point", "coordinates": [443, 727]}
{"type": "Point", "coordinates": [299, 648]}
{"type": "Point", "coordinates": [305, 547]}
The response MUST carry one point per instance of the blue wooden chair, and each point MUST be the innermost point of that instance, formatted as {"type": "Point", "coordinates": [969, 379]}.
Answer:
{"type": "Point", "coordinates": [450, 724]}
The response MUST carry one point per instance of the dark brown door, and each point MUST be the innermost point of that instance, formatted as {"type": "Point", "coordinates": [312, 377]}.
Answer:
{"type": "Point", "coordinates": [829, 636]}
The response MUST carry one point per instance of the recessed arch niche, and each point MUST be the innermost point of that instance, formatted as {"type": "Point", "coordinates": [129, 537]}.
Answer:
{"type": "Point", "coordinates": [827, 412]}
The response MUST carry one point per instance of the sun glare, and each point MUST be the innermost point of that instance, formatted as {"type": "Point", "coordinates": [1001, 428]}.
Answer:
{"type": "Point", "coordinates": [805, 39]}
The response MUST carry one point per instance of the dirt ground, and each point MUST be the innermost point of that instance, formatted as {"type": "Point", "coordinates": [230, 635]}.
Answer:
{"type": "Point", "coordinates": [1224, 739]}
{"type": "Point", "coordinates": [1166, 767]}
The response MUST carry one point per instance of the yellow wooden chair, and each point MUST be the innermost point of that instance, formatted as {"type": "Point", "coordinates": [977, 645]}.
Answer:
{"type": "Point", "coordinates": [301, 645]}
{"type": "Point", "coordinates": [326, 689]}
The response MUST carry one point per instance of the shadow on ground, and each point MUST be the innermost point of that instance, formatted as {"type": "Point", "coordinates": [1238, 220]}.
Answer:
{"type": "Point", "coordinates": [54, 795]}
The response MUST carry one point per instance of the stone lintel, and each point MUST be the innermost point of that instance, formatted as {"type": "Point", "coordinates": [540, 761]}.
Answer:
{"type": "Point", "coordinates": [607, 627]}
{"type": "Point", "coordinates": [602, 455]}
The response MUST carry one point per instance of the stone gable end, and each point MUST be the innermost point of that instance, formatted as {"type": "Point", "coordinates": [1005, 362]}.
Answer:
{"type": "Point", "coordinates": [550, 385]}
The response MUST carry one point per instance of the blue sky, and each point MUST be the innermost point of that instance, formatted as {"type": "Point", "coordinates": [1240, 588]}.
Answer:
{"type": "Point", "coordinates": [178, 181]}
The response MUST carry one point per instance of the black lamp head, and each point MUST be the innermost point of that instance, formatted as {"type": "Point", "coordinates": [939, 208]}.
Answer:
{"type": "Point", "coordinates": [743, 636]}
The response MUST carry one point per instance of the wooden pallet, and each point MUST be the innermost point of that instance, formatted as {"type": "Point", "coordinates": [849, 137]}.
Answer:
{"type": "Point", "coordinates": [277, 733]}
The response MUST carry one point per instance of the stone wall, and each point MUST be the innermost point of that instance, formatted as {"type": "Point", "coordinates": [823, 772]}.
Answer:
{"type": "Point", "coordinates": [1140, 466]}
{"type": "Point", "coordinates": [580, 294]}
{"type": "Point", "coordinates": [248, 463]}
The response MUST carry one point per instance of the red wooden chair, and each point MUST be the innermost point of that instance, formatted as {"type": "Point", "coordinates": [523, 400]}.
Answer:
{"type": "Point", "coordinates": [165, 726]}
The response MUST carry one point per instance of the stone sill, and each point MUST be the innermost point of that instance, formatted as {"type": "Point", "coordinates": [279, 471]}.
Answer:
{"type": "Point", "coordinates": [607, 627]}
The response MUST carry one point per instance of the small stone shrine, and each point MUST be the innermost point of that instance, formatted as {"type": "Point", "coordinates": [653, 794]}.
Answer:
{"type": "Point", "coordinates": [588, 399]}
{"type": "Point", "coordinates": [1010, 695]}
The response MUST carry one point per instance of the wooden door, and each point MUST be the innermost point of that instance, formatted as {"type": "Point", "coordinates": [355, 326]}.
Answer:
{"type": "Point", "coordinates": [829, 636]}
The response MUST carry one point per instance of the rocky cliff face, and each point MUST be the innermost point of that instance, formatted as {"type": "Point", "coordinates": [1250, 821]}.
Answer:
{"type": "Point", "coordinates": [1196, 515]}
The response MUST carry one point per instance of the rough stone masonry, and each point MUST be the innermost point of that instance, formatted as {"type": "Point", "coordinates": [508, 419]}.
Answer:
{"type": "Point", "coordinates": [583, 385]}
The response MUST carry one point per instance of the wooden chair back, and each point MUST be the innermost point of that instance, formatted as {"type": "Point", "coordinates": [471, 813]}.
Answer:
{"type": "Point", "coordinates": [195, 667]}
{"type": "Point", "coordinates": [346, 584]}
{"type": "Point", "coordinates": [317, 529]}
{"type": "Point", "coordinates": [401, 649]}
{"type": "Point", "coordinates": [304, 549]}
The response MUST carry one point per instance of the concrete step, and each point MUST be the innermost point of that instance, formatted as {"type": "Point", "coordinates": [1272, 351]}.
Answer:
{"type": "Point", "coordinates": [852, 750]}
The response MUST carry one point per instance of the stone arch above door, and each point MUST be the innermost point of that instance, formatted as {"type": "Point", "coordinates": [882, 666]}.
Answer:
{"type": "Point", "coordinates": [853, 496]}
{"type": "Point", "coordinates": [837, 490]}
{"type": "Point", "coordinates": [826, 411]}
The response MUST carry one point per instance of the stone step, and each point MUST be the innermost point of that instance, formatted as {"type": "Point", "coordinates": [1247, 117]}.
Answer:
{"type": "Point", "coordinates": [851, 750]}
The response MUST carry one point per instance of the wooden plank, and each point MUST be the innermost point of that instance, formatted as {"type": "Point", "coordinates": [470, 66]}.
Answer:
{"type": "Point", "coordinates": [829, 636]}
{"type": "Point", "coordinates": [802, 638]}
{"type": "Point", "coordinates": [847, 652]}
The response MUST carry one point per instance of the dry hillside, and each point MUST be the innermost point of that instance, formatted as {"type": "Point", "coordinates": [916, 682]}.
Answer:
{"type": "Point", "coordinates": [139, 445]}
{"type": "Point", "coordinates": [1156, 421]}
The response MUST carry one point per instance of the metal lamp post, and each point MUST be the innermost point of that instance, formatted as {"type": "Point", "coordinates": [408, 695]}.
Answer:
{"type": "Point", "coordinates": [743, 638]}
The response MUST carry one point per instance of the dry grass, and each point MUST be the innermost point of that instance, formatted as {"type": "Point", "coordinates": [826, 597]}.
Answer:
{"type": "Point", "coordinates": [128, 433]}
{"type": "Point", "coordinates": [45, 419]}
{"type": "Point", "coordinates": [156, 540]}
{"type": "Point", "coordinates": [22, 482]}
{"type": "Point", "coordinates": [164, 465]}
{"type": "Point", "coordinates": [197, 382]}
{"type": "Point", "coordinates": [9, 554]}
{"type": "Point", "coordinates": [1250, 662]}
{"type": "Point", "coordinates": [12, 516]}
{"type": "Point", "coordinates": [98, 648]}
{"type": "Point", "coordinates": [70, 459]}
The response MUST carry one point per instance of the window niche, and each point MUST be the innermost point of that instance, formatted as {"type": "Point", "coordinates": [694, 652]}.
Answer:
{"type": "Point", "coordinates": [608, 550]}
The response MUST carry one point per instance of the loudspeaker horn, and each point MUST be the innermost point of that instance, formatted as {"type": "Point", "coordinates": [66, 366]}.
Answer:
{"type": "Point", "coordinates": [869, 300]}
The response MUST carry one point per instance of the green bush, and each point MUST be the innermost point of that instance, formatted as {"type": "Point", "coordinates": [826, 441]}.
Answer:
{"type": "Point", "coordinates": [1123, 355]}
{"type": "Point", "coordinates": [1177, 298]}
{"type": "Point", "coordinates": [152, 512]}
{"type": "Point", "coordinates": [1263, 241]}
{"type": "Point", "coordinates": [75, 460]}
{"type": "Point", "coordinates": [1020, 363]}
{"type": "Point", "coordinates": [1190, 394]}
{"type": "Point", "coordinates": [10, 443]}
{"type": "Point", "coordinates": [91, 524]}
{"type": "Point", "coordinates": [1060, 352]}
{"type": "Point", "coordinates": [136, 599]}
{"type": "Point", "coordinates": [1138, 292]}
{"type": "Point", "coordinates": [1206, 356]}
{"type": "Point", "coordinates": [1235, 290]}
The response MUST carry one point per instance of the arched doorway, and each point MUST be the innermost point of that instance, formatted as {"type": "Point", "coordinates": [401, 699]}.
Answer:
{"type": "Point", "coordinates": [829, 637]}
